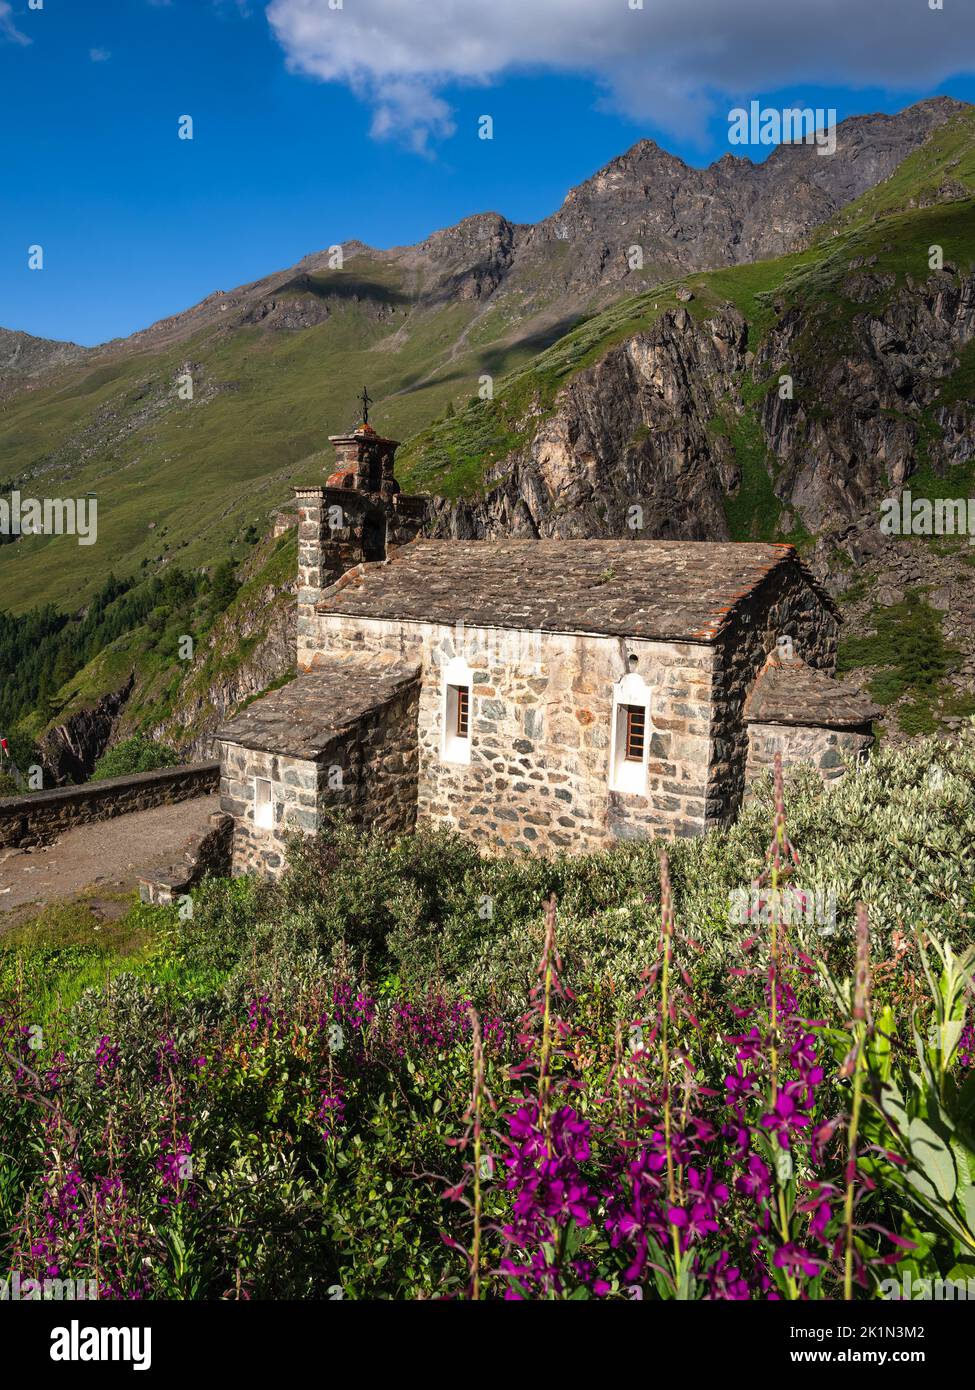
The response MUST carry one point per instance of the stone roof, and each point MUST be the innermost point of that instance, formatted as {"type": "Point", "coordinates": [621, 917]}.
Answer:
{"type": "Point", "coordinates": [669, 590]}
{"type": "Point", "coordinates": [790, 692]}
{"type": "Point", "coordinates": [303, 718]}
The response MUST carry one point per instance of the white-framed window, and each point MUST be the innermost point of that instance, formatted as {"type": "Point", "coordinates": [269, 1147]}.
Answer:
{"type": "Point", "coordinates": [630, 742]}
{"type": "Point", "coordinates": [263, 803]}
{"type": "Point", "coordinates": [456, 715]}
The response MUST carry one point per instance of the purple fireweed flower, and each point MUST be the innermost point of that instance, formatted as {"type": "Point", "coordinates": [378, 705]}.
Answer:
{"type": "Point", "coordinates": [698, 1216]}
{"type": "Point", "coordinates": [174, 1164]}
{"type": "Point", "coordinates": [331, 1110]}
{"type": "Point", "coordinates": [53, 1076]}
{"type": "Point", "coordinates": [784, 1117]}
{"type": "Point", "coordinates": [354, 1011]}
{"type": "Point", "coordinates": [107, 1056]}
{"type": "Point", "coordinates": [258, 1013]}
{"type": "Point", "coordinates": [755, 1181]}
{"type": "Point", "coordinates": [820, 1220]}
{"type": "Point", "coordinates": [167, 1057]}
{"type": "Point", "coordinates": [742, 1138]}
{"type": "Point", "coordinates": [724, 1280]}
{"type": "Point", "coordinates": [821, 1136]}
{"type": "Point", "coordinates": [635, 1207]}
{"type": "Point", "coordinates": [749, 1045]}
{"type": "Point", "coordinates": [796, 1261]}
{"type": "Point", "coordinates": [787, 1002]}
{"type": "Point", "coordinates": [740, 1085]}
{"type": "Point", "coordinates": [545, 1177]}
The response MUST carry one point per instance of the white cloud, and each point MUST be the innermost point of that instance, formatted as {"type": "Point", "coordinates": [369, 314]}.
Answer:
{"type": "Point", "coordinates": [672, 63]}
{"type": "Point", "coordinates": [99, 55]}
{"type": "Point", "coordinates": [8, 29]}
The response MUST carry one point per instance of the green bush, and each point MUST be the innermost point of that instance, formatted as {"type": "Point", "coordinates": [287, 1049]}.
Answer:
{"type": "Point", "coordinates": [321, 1164]}
{"type": "Point", "coordinates": [136, 754]}
{"type": "Point", "coordinates": [428, 907]}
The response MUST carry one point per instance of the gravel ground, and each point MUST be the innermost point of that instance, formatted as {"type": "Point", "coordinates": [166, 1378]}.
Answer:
{"type": "Point", "coordinates": [107, 855]}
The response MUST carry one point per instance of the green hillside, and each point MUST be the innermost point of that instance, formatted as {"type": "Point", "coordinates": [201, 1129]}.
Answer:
{"type": "Point", "coordinates": [177, 479]}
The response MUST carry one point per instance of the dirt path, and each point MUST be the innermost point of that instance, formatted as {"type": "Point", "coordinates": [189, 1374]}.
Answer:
{"type": "Point", "coordinates": [109, 855]}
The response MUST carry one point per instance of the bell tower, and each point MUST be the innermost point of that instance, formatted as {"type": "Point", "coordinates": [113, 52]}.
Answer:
{"type": "Point", "coordinates": [359, 516]}
{"type": "Point", "coordinates": [365, 459]}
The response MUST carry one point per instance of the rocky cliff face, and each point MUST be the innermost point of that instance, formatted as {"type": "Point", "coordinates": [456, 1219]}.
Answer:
{"type": "Point", "coordinates": [71, 750]}
{"type": "Point", "coordinates": [852, 433]}
{"type": "Point", "coordinates": [637, 429]}
{"type": "Point", "coordinates": [631, 431]}
{"type": "Point", "coordinates": [249, 648]}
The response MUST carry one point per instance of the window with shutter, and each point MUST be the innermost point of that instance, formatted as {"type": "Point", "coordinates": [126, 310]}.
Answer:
{"type": "Point", "coordinates": [636, 732]}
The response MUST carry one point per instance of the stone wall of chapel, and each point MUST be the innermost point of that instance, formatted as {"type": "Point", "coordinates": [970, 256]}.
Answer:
{"type": "Point", "coordinates": [540, 717]}
{"type": "Point", "coordinates": [827, 750]}
{"type": "Point", "coordinates": [370, 772]}
{"type": "Point", "coordinates": [294, 794]}
{"type": "Point", "coordinates": [784, 604]}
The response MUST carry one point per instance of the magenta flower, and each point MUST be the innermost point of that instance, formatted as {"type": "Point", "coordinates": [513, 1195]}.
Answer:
{"type": "Point", "coordinates": [796, 1261]}
{"type": "Point", "coordinates": [784, 1117]}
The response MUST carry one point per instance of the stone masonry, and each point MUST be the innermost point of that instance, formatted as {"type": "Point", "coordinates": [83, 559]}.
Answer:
{"type": "Point", "coordinates": [552, 645]}
{"type": "Point", "coordinates": [540, 732]}
{"type": "Point", "coordinates": [345, 742]}
{"type": "Point", "coordinates": [794, 710]}
{"type": "Point", "coordinates": [357, 517]}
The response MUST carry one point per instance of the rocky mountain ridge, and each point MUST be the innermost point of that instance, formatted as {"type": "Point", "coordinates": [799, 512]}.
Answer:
{"type": "Point", "coordinates": [24, 359]}
{"type": "Point", "coordinates": [683, 218]}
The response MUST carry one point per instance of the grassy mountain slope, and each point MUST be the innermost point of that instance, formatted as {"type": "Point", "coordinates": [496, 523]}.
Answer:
{"type": "Point", "coordinates": [180, 478]}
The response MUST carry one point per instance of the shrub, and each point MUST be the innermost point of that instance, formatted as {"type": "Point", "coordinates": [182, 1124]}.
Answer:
{"type": "Point", "coordinates": [132, 755]}
{"type": "Point", "coordinates": [275, 1096]}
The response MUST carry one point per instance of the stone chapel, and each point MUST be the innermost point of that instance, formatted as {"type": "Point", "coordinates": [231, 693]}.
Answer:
{"type": "Point", "coordinates": [533, 695]}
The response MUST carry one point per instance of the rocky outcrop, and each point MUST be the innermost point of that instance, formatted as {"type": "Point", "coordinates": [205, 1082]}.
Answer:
{"type": "Point", "coordinates": [871, 571]}
{"type": "Point", "coordinates": [24, 358]}
{"type": "Point", "coordinates": [71, 750]}
{"type": "Point", "coordinates": [630, 432]}
{"type": "Point", "coordinates": [851, 433]}
{"type": "Point", "coordinates": [638, 443]}
{"type": "Point", "coordinates": [472, 259]}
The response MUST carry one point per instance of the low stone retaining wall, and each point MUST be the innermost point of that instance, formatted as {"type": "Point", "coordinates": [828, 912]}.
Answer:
{"type": "Point", "coordinates": [42, 816]}
{"type": "Point", "coordinates": [210, 854]}
{"type": "Point", "coordinates": [827, 750]}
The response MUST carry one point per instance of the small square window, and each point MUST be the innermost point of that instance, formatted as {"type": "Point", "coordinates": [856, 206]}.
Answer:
{"type": "Point", "coordinates": [263, 803]}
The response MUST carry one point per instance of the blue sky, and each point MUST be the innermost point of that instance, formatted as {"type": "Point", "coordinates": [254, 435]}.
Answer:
{"type": "Point", "coordinates": [315, 123]}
